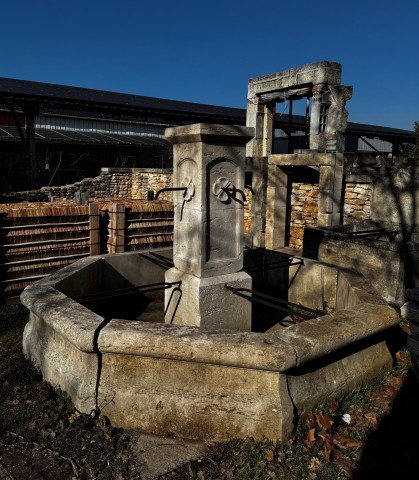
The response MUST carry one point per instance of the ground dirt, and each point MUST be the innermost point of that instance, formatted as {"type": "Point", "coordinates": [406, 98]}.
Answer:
{"type": "Point", "coordinates": [42, 436]}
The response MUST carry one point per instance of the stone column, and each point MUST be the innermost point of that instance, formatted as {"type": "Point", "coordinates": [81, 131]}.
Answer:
{"type": "Point", "coordinates": [319, 108]}
{"type": "Point", "coordinates": [260, 117]}
{"type": "Point", "coordinates": [255, 119]}
{"type": "Point", "coordinates": [315, 113]}
{"type": "Point", "coordinates": [330, 192]}
{"type": "Point", "coordinates": [259, 168]}
{"type": "Point", "coordinates": [276, 208]}
{"type": "Point", "coordinates": [268, 125]}
{"type": "Point", "coordinates": [337, 119]}
{"type": "Point", "coordinates": [208, 232]}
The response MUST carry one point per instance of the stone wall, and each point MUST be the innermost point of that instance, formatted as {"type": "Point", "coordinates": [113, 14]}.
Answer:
{"type": "Point", "coordinates": [248, 212]}
{"type": "Point", "coordinates": [111, 183]}
{"type": "Point", "coordinates": [151, 180]}
{"type": "Point", "coordinates": [357, 202]}
{"type": "Point", "coordinates": [304, 209]}
{"type": "Point", "coordinates": [135, 183]}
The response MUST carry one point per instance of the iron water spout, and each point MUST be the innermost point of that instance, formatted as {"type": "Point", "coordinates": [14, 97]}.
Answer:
{"type": "Point", "coordinates": [188, 188]}
{"type": "Point", "coordinates": [170, 189]}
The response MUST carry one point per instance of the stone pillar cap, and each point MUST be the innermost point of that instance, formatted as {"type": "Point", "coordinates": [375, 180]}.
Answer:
{"type": "Point", "coordinates": [210, 133]}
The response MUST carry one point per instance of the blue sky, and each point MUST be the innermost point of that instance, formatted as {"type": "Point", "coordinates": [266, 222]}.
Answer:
{"type": "Point", "coordinates": [206, 51]}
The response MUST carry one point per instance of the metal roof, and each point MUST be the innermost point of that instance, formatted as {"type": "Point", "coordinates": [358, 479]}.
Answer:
{"type": "Point", "coordinates": [14, 90]}
{"type": "Point", "coordinates": [48, 95]}
{"type": "Point", "coordinates": [11, 133]}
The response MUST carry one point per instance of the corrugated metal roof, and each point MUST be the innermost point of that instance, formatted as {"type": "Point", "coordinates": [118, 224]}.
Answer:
{"type": "Point", "coordinates": [11, 133]}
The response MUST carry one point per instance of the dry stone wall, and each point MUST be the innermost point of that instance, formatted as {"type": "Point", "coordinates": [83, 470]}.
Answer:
{"type": "Point", "coordinates": [137, 183]}
{"type": "Point", "coordinates": [357, 202]}
{"type": "Point", "coordinates": [304, 209]}
{"type": "Point", "coordinates": [111, 183]}
{"type": "Point", "coordinates": [248, 212]}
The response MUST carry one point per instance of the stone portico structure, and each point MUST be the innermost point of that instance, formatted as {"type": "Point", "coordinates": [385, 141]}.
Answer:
{"type": "Point", "coordinates": [326, 125]}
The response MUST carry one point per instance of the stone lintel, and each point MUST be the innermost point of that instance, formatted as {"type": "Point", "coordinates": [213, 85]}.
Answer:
{"type": "Point", "coordinates": [303, 159]}
{"type": "Point", "coordinates": [328, 73]}
{"type": "Point", "coordinates": [356, 178]}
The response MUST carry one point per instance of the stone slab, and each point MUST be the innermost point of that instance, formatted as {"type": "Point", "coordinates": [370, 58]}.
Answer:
{"type": "Point", "coordinates": [314, 385]}
{"type": "Point", "coordinates": [194, 400]}
{"type": "Point", "coordinates": [61, 363]}
{"type": "Point", "coordinates": [257, 351]}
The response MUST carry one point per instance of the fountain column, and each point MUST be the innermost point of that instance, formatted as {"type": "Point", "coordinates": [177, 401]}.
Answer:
{"type": "Point", "coordinates": [208, 234]}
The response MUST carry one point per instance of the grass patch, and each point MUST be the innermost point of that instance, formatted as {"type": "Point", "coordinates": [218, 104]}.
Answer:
{"type": "Point", "coordinates": [41, 433]}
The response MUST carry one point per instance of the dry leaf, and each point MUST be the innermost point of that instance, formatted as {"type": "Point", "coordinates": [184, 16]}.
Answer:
{"type": "Point", "coordinates": [345, 465]}
{"type": "Point", "coordinates": [314, 463]}
{"type": "Point", "coordinates": [324, 421]}
{"type": "Point", "coordinates": [326, 452]}
{"type": "Point", "coordinates": [311, 437]}
{"type": "Point", "coordinates": [269, 455]}
{"type": "Point", "coordinates": [347, 442]}
{"type": "Point", "coordinates": [333, 404]}
{"type": "Point", "coordinates": [396, 381]}
{"type": "Point", "coordinates": [371, 419]}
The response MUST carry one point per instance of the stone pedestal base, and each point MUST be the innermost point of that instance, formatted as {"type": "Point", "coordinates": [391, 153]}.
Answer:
{"type": "Point", "coordinates": [204, 302]}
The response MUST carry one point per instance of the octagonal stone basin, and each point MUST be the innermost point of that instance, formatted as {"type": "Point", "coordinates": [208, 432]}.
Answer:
{"type": "Point", "coordinates": [161, 378]}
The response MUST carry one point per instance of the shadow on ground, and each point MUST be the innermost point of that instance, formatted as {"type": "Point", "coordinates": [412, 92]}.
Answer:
{"type": "Point", "coordinates": [392, 450]}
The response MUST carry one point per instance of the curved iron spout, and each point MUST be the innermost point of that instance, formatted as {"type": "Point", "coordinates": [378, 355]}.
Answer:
{"type": "Point", "coordinates": [249, 187]}
{"type": "Point", "coordinates": [234, 190]}
{"type": "Point", "coordinates": [169, 189]}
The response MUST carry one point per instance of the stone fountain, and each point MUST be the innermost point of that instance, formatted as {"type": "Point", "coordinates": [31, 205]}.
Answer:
{"type": "Point", "coordinates": [204, 363]}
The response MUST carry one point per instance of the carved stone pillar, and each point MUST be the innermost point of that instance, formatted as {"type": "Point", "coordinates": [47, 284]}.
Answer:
{"type": "Point", "coordinates": [208, 236]}
{"type": "Point", "coordinates": [330, 192]}
{"type": "Point", "coordinates": [337, 120]}
{"type": "Point", "coordinates": [276, 208]}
